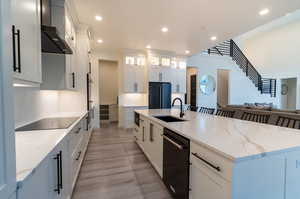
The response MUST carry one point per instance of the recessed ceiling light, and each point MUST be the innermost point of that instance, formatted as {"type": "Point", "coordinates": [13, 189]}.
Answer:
{"type": "Point", "coordinates": [187, 52]}
{"type": "Point", "coordinates": [164, 29]}
{"type": "Point", "coordinates": [264, 12]}
{"type": "Point", "coordinates": [148, 46]}
{"type": "Point", "coordinates": [213, 38]}
{"type": "Point", "coordinates": [100, 41]}
{"type": "Point", "coordinates": [98, 18]}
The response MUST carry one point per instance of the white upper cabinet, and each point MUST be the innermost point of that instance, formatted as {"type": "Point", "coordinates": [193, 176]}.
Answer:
{"type": "Point", "coordinates": [26, 36]}
{"type": "Point", "coordinates": [70, 31]}
{"type": "Point", "coordinates": [179, 77]}
{"type": "Point", "coordinates": [134, 70]}
{"type": "Point", "coordinates": [60, 70]}
{"type": "Point", "coordinates": [168, 69]}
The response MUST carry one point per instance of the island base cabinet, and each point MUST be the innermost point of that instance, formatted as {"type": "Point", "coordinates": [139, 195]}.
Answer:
{"type": "Point", "coordinates": [204, 184]}
{"type": "Point", "coordinates": [149, 138]}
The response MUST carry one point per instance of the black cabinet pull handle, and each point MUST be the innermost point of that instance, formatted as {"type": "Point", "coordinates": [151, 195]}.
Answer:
{"type": "Point", "coordinates": [19, 51]}
{"type": "Point", "coordinates": [87, 123]}
{"type": "Point", "coordinates": [205, 161]}
{"type": "Point", "coordinates": [151, 133]}
{"type": "Point", "coordinates": [180, 147]}
{"type": "Point", "coordinates": [143, 134]}
{"type": "Point", "coordinates": [60, 168]}
{"type": "Point", "coordinates": [14, 47]}
{"type": "Point", "coordinates": [79, 129]}
{"type": "Point", "coordinates": [57, 158]}
{"type": "Point", "coordinates": [73, 80]}
{"type": "Point", "coordinates": [79, 154]}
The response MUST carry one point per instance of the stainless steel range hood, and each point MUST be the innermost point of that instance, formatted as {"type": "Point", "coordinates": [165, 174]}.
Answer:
{"type": "Point", "coordinates": [52, 41]}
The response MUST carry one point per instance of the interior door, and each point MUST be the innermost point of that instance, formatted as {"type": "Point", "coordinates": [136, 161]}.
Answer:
{"type": "Point", "coordinates": [193, 91]}
{"type": "Point", "coordinates": [7, 135]}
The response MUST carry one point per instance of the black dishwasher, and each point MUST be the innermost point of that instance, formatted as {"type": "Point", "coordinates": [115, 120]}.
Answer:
{"type": "Point", "coordinates": [176, 164]}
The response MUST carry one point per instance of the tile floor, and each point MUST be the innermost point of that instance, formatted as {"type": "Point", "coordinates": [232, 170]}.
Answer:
{"type": "Point", "coordinates": [115, 168]}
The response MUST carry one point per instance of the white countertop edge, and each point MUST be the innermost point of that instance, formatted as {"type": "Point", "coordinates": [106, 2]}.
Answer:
{"type": "Point", "coordinates": [21, 178]}
{"type": "Point", "coordinates": [227, 156]}
{"type": "Point", "coordinates": [132, 106]}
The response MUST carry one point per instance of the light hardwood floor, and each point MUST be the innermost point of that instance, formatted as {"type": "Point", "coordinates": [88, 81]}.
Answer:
{"type": "Point", "coordinates": [115, 168]}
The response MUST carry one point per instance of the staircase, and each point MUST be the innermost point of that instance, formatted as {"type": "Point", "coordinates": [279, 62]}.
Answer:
{"type": "Point", "coordinates": [230, 48]}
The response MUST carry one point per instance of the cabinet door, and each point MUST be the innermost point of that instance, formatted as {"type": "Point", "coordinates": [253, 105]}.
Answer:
{"type": "Point", "coordinates": [155, 74]}
{"type": "Point", "coordinates": [26, 19]}
{"type": "Point", "coordinates": [156, 146]}
{"type": "Point", "coordinates": [140, 79]}
{"type": "Point", "coordinates": [37, 186]}
{"type": "Point", "coordinates": [71, 71]}
{"type": "Point", "coordinates": [59, 172]}
{"type": "Point", "coordinates": [129, 82]}
{"type": "Point", "coordinates": [142, 138]}
{"type": "Point", "coordinates": [179, 81]}
{"type": "Point", "coordinates": [166, 74]}
{"type": "Point", "coordinates": [205, 184]}
{"type": "Point", "coordinates": [7, 135]}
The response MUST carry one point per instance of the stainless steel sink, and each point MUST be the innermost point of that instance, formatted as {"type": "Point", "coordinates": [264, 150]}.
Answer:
{"type": "Point", "coordinates": [169, 118]}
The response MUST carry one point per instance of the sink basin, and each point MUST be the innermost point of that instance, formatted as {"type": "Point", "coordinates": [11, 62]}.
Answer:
{"type": "Point", "coordinates": [168, 118]}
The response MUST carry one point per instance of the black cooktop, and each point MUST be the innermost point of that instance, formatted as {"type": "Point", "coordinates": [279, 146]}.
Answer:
{"type": "Point", "coordinates": [49, 124]}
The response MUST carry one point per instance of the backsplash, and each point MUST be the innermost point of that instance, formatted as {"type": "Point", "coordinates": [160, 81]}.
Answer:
{"type": "Point", "coordinates": [32, 104]}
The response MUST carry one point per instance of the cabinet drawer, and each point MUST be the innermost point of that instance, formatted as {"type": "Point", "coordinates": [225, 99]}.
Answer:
{"type": "Point", "coordinates": [77, 158]}
{"type": "Point", "coordinates": [219, 165]}
{"type": "Point", "coordinates": [76, 136]}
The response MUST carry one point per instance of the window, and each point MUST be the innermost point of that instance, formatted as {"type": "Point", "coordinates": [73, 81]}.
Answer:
{"type": "Point", "coordinates": [129, 60]}
{"type": "Point", "coordinates": [165, 61]}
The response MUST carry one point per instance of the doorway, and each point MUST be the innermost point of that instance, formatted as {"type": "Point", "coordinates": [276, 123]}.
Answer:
{"type": "Point", "coordinates": [108, 91]}
{"type": "Point", "coordinates": [222, 87]}
{"type": "Point", "coordinates": [193, 91]}
{"type": "Point", "coordinates": [289, 93]}
{"type": "Point", "coordinates": [191, 86]}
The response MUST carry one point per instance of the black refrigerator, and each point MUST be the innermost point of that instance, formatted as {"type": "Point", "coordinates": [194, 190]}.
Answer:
{"type": "Point", "coordinates": [160, 95]}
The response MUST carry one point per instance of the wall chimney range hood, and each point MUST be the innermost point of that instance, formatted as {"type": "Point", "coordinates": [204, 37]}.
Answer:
{"type": "Point", "coordinates": [52, 42]}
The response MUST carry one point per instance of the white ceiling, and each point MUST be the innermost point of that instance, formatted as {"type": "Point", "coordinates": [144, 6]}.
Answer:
{"type": "Point", "coordinates": [136, 23]}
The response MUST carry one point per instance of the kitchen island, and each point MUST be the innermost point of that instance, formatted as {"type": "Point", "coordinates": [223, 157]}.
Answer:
{"type": "Point", "coordinates": [230, 158]}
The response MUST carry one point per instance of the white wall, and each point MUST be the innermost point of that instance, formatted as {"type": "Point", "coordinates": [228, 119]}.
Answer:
{"type": "Point", "coordinates": [274, 48]}
{"type": "Point", "coordinates": [108, 82]}
{"type": "Point", "coordinates": [241, 89]}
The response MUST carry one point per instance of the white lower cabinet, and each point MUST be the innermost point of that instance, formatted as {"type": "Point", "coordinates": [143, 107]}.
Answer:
{"type": "Point", "coordinates": [149, 138]}
{"type": "Point", "coordinates": [50, 178]}
{"type": "Point", "coordinates": [56, 176]}
{"type": "Point", "coordinates": [155, 146]}
{"type": "Point", "coordinates": [58, 162]}
{"type": "Point", "coordinates": [205, 184]}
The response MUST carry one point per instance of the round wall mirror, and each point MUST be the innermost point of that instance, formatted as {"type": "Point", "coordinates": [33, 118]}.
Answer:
{"type": "Point", "coordinates": [207, 84]}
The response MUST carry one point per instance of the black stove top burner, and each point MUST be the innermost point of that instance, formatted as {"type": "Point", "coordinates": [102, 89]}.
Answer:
{"type": "Point", "coordinates": [49, 124]}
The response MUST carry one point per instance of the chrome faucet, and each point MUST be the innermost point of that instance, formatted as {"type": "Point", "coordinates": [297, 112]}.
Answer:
{"type": "Point", "coordinates": [181, 104]}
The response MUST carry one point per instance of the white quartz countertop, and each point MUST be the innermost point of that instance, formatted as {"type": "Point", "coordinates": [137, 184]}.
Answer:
{"type": "Point", "coordinates": [33, 146]}
{"type": "Point", "coordinates": [235, 139]}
